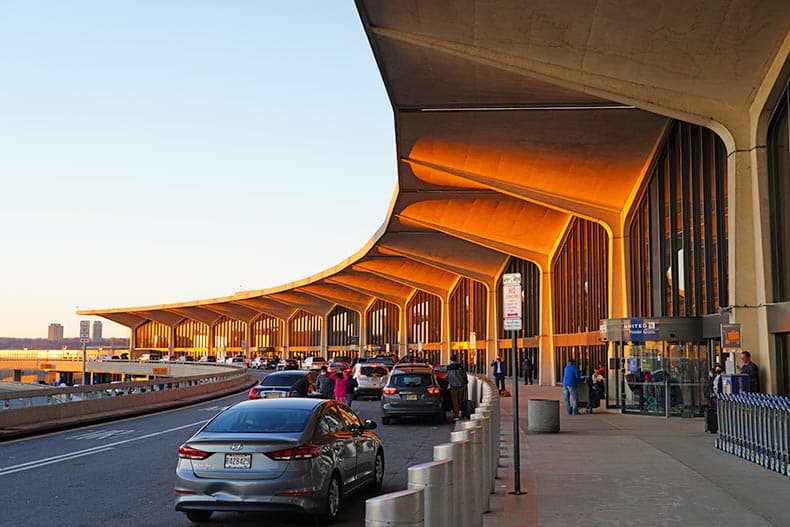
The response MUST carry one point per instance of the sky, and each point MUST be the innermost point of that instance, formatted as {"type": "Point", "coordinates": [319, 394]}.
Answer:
{"type": "Point", "coordinates": [162, 151]}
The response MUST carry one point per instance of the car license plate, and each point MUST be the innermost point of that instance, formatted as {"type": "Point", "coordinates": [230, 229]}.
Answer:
{"type": "Point", "coordinates": [238, 460]}
{"type": "Point", "coordinates": [411, 396]}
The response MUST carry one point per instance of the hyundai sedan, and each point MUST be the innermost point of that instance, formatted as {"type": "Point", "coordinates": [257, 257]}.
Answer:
{"type": "Point", "coordinates": [294, 454]}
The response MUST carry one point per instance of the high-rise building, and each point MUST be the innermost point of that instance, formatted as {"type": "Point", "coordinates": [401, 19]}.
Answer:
{"type": "Point", "coordinates": [96, 331]}
{"type": "Point", "coordinates": [55, 332]}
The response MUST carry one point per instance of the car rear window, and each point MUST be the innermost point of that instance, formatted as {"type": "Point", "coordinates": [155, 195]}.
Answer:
{"type": "Point", "coordinates": [281, 380]}
{"type": "Point", "coordinates": [259, 421]}
{"type": "Point", "coordinates": [412, 380]}
{"type": "Point", "coordinates": [370, 371]}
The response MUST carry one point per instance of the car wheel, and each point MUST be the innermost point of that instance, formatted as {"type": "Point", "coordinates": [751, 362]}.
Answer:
{"type": "Point", "coordinates": [378, 471]}
{"type": "Point", "coordinates": [385, 420]}
{"type": "Point", "coordinates": [198, 516]}
{"type": "Point", "coordinates": [332, 504]}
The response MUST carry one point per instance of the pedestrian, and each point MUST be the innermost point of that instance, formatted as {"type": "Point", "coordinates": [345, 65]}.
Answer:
{"type": "Point", "coordinates": [750, 368]}
{"type": "Point", "coordinates": [457, 380]}
{"type": "Point", "coordinates": [301, 387]}
{"type": "Point", "coordinates": [325, 384]}
{"type": "Point", "coordinates": [526, 367]}
{"type": "Point", "coordinates": [570, 379]}
{"type": "Point", "coordinates": [340, 379]}
{"type": "Point", "coordinates": [597, 388]}
{"type": "Point", "coordinates": [351, 386]}
{"type": "Point", "coordinates": [499, 373]}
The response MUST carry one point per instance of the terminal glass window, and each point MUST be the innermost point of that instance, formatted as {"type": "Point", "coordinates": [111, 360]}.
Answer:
{"type": "Point", "coordinates": [229, 334]}
{"type": "Point", "coordinates": [678, 228]}
{"type": "Point", "coordinates": [192, 335]}
{"type": "Point", "coordinates": [343, 327]}
{"type": "Point", "coordinates": [266, 332]}
{"type": "Point", "coordinates": [305, 329]}
{"type": "Point", "coordinates": [424, 318]}
{"type": "Point", "coordinates": [779, 181]}
{"type": "Point", "coordinates": [383, 319]}
{"type": "Point", "coordinates": [468, 310]}
{"type": "Point", "coordinates": [526, 343]}
{"type": "Point", "coordinates": [152, 335]}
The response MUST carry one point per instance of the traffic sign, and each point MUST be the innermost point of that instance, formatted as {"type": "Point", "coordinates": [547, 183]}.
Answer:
{"type": "Point", "coordinates": [511, 300]}
{"type": "Point", "coordinates": [85, 331]}
{"type": "Point", "coordinates": [513, 324]}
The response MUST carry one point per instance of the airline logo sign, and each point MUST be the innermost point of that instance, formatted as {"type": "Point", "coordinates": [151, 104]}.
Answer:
{"type": "Point", "coordinates": [511, 301]}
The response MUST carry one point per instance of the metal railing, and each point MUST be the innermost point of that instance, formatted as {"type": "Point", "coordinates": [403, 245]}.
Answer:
{"type": "Point", "coordinates": [462, 473]}
{"type": "Point", "coordinates": [755, 426]}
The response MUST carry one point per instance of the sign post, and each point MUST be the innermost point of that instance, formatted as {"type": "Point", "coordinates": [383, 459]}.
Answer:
{"type": "Point", "coordinates": [84, 339]}
{"type": "Point", "coordinates": [512, 315]}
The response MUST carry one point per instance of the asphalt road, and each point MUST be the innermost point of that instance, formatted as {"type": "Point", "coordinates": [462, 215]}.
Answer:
{"type": "Point", "coordinates": [121, 473]}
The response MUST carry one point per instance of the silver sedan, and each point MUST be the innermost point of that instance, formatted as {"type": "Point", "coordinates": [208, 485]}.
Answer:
{"type": "Point", "coordinates": [294, 454]}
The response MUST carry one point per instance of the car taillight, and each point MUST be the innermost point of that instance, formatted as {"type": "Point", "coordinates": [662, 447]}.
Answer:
{"type": "Point", "coordinates": [390, 390]}
{"type": "Point", "coordinates": [187, 452]}
{"type": "Point", "coordinates": [253, 394]}
{"type": "Point", "coordinates": [299, 452]}
{"type": "Point", "coordinates": [433, 390]}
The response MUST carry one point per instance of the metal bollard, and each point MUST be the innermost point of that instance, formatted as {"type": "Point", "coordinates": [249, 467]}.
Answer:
{"type": "Point", "coordinates": [435, 478]}
{"type": "Point", "coordinates": [474, 489]}
{"type": "Point", "coordinates": [493, 460]}
{"type": "Point", "coordinates": [459, 453]}
{"type": "Point", "coordinates": [401, 509]}
{"type": "Point", "coordinates": [485, 440]}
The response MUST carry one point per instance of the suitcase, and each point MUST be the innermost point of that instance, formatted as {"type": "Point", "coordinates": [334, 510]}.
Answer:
{"type": "Point", "coordinates": [711, 421]}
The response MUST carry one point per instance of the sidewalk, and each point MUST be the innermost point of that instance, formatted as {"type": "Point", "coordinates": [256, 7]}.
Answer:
{"type": "Point", "coordinates": [617, 470]}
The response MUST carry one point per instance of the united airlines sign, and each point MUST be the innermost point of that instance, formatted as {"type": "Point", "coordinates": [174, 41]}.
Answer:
{"type": "Point", "coordinates": [640, 330]}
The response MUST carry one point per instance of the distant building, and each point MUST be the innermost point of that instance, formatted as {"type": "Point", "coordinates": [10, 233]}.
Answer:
{"type": "Point", "coordinates": [96, 331]}
{"type": "Point", "coordinates": [55, 332]}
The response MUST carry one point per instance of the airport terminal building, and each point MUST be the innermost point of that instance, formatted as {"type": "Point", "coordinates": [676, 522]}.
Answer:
{"type": "Point", "coordinates": [629, 159]}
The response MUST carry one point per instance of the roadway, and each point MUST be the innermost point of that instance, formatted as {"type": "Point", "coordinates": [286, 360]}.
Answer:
{"type": "Point", "coordinates": [121, 473]}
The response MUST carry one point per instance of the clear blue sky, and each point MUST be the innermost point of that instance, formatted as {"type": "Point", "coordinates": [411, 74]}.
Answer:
{"type": "Point", "coordinates": [160, 151]}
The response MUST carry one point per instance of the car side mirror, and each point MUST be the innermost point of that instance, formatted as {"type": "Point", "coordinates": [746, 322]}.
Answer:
{"type": "Point", "coordinates": [369, 424]}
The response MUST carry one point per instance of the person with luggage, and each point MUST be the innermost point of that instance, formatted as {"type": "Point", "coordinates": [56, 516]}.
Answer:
{"type": "Point", "coordinates": [457, 380]}
{"type": "Point", "coordinates": [498, 366]}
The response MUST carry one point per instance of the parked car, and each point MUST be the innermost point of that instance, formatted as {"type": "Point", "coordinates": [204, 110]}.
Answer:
{"type": "Point", "coordinates": [239, 360]}
{"type": "Point", "coordinates": [278, 454]}
{"type": "Point", "coordinates": [287, 364]}
{"type": "Point", "coordinates": [412, 390]}
{"type": "Point", "coordinates": [340, 358]}
{"type": "Point", "coordinates": [371, 379]}
{"type": "Point", "coordinates": [208, 358]}
{"type": "Point", "coordinates": [313, 363]}
{"type": "Point", "coordinates": [279, 384]}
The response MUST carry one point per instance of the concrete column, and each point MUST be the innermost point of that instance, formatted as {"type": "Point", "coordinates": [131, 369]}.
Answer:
{"type": "Point", "coordinates": [492, 328]}
{"type": "Point", "coordinates": [363, 332]}
{"type": "Point", "coordinates": [546, 369]}
{"type": "Point", "coordinates": [172, 340]}
{"type": "Point", "coordinates": [132, 340]}
{"type": "Point", "coordinates": [749, 259]}
{"type": "Point", "coordinates": [618, 300]}
{"type": "Point", "coordinates": [402, 331]}
{"type": "Point", "coordinates": [286, 326]}
{"type": "Point", "coordinates": [248, 337]}
{"type": "Point", "coordinates": [212, 333]}
{"type": "Point", "coordinates": [325, 335]}
{"type": "Point", "coordinates": [445, 337]}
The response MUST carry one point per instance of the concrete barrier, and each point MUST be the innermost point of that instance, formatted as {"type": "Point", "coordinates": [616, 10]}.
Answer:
{"type": "Point", "coordinates": [472, 491]}
{"type": "Point", "coordinates": [459, 453]}
{"type": "Point", "coordinates": [396, 509]}
{"type": "Point", "coordinates": [543, 415]}
{"type": "Point", "coordinates": [435, 478]}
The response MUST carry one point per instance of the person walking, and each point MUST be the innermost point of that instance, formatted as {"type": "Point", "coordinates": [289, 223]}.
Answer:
{"type": "Point", "coordinates": [499, 373]}
{"type": "Point", "coordinates": [750, 368]}
{"type": "Point", "coordinates": [351, 386]}
{"type": "Point", "coordinates": [325, 384]}
{"type": "Point", "coordinates": [457, 380]}
{"type": "Point", "coordinates": [526, 367]}
{"type": "Point", "coordinates": [570, 379]}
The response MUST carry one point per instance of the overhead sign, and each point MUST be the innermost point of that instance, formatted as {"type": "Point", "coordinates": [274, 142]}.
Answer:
{"type": "Point", "coordinates": [730, 336]}
{"type": "Point", "coordinates": [640, 330]}
{"type": "Point", "coordinates": [85, 331]}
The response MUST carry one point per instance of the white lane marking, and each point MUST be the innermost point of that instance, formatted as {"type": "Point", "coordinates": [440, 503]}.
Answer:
{"type": "Point", "coordinates": [88, 451]}
{"type": "Point", "coordinates": [215, 409]}
{"type": "Point", "coordinates": [101, 434]}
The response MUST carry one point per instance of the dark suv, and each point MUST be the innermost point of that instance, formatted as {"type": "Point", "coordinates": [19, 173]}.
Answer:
{"type": "Point", "coordinates": [412, 390]}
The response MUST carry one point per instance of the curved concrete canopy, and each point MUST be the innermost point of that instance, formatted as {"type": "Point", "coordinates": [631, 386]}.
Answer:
{"type": "Point", "coordinates": [478, 182]}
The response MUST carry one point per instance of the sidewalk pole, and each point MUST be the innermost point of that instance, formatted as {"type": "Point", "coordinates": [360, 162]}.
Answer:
{"type": "Point", "coordinates": [516, 442]}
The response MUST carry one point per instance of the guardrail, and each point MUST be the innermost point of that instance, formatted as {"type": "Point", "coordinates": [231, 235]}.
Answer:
{"type": "Point", "coordinates": [462, 473]}
{"type": "Point", "coordinates": [755, 426]}
{"type": "Point", "coordinates": [77, 404]}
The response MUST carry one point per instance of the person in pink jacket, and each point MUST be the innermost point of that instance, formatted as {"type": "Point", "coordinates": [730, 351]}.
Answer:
{"type": "Point", "coordinates": [340, 379]}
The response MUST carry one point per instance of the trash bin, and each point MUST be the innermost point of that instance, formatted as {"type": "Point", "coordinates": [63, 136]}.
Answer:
{"type": "Point", "coordinates": [543, 416]}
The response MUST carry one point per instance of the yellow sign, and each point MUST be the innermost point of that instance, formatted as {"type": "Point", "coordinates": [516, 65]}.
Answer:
{"type": "Point", "coordinates": [160, 371]}
{"type": "Point", "coordinates": [46, 366]}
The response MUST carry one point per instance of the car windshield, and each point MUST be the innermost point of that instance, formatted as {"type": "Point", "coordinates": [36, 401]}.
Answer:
{"type": "Point", "coordinates": [411, 380]}
{"type": "Point", "coordinates": [281, 380]}
{"type": "Point", "coordinates": [259, 421]}
{"type": "Point", "coordinates": [372, 371]}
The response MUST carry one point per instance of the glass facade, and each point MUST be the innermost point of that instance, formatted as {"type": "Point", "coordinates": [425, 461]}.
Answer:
{"type": "Point", "coordinates": [468, 313]}
{"type": "Point", "coordinates": [152, 335]}
{"type": "Point", "coordinates": [192, 335]}
{"type": "Point", "coordinates": [343, 327]}
{"type": "Point", "coordinates": [779, 184]}
{"type": "Point", "coordinates": [580, 279]}
{"type": "Point", "coordinates": [382, 326]}
{"type": "Point", "coordinates": [266, 334]}
{"type": "Point", "coordinates": [229, 335]}
{"type": "Point", "coordinates": [304, 334]}
{"type": "Point", "coordinates": [678, 228]}
{"type": "Point", "coordinates": [424, 320]}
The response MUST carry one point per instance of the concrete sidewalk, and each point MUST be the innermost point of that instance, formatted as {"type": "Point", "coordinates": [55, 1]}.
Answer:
{"type": "Point", "coordinates": [616, 470]}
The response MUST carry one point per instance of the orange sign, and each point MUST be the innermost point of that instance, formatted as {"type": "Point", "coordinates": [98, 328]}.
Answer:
{"type": "Point", "coordinates": [46, 366]}
{"type": "Point", "coordinates": [730, 336]}
{"type": "Point", "coordinates": [160, 371]}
